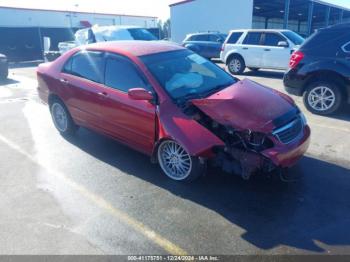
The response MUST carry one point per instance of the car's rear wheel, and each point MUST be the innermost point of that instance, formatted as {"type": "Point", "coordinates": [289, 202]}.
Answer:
{"type": "Point", "coordinates": [323, 98]}
{"type": "Point", "coordinates": [177, 164]}
{"type": "Point", "coordinates": [62, 118]}
{"type": "Point", "coordinates": [236, 65]}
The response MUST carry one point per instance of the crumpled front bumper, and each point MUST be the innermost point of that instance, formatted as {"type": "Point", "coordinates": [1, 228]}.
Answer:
{"type": "Point", "coordinates": [283, 155]}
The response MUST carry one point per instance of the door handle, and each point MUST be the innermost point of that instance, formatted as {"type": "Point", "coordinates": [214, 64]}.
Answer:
{"type": "Point", "coordinates": [267, 49]}
{"type": "Point", "coordinates": [245, 48]}
{"type": "Point", "coordinates": [64, 81]}
{"type": "Point", "coordinates": [103, 94]}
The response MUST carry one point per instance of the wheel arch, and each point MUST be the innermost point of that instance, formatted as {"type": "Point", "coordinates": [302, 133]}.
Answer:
{"type": "Point", "coordinates": [327, 75]}
{"type": "Point", "coordinates": [233, 54]}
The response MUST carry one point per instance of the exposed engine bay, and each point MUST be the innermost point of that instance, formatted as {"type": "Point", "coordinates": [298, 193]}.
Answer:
{"type": "Point", "coordinates": [241, 154]}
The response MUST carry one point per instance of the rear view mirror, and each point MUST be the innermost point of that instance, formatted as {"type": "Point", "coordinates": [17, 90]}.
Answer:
{"type": "Point", "coordinates": [283, 44]}
{"type": "Point", "coordinates": [140, 94]}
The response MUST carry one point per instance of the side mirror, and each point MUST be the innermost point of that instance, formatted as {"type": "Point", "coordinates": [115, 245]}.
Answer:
{"type": "Point", "coordinates": [283, 44]}
{"type": "Point", "coordinates": [140, 94]}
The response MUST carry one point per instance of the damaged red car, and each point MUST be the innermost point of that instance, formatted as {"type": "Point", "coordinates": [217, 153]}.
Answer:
{"type": "Point", "coordinates": [175, 106]}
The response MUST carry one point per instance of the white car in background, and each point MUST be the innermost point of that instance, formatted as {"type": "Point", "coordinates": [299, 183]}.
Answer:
{"type": "Point", "coordinates": [97, 34]}
{"type": "Point", "coordinates": [255, 49]}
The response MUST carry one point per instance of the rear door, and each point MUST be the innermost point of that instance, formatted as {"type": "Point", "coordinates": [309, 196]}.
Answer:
{"type": "Point", "coordinates": [214, 45]}
{"type": "Point", "coordinates": [252, 49]}
{"type": "Point", "coordinates": [81, 83]}
{"type": "Point", "coordinates": [130, 121]}
{"type": "Point", "coordinates": [274, 56]}
{"type": "Point", "coordinates": [199, 44]}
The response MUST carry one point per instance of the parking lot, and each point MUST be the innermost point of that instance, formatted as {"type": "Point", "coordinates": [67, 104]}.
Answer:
{"type": "Point", "coordinates": [91, 195]}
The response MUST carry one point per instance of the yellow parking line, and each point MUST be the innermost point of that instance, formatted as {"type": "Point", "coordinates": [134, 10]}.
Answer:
{"type": "Point", "coordinates": [103, 204]}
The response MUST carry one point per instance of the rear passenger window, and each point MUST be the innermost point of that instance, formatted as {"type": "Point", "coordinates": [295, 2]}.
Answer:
{"type": "Point", "coordinates": [234, 37]}
{"type": "Point", "coordinates": [273, 39]}
{"type": "Point", "coordinates": [252, 38]}
{"type": "Point", "coordinates": [88, 65]}
{"type": "Point", "coordinates": [201, 38]}
{"type": "Point", "coordinates": [213, 38]}
{"type": "Point", "coordinates": [122, 75]}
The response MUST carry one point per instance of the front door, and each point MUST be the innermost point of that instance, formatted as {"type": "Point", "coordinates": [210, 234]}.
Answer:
{"type": "Point", "coordinates": [130, 121]}
{"type": "Point", "coordinates": [275, 57]}
{"type": "Point", "coordinates": [252, 50]}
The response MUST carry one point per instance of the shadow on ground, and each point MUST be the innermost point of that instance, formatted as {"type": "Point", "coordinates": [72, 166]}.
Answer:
{"type": "Point", "coordinates": [8, 81]}
{"type": "Point", "coordinates": [272, 213]}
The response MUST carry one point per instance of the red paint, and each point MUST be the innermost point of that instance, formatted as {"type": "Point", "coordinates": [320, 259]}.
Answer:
{"type": "Point", "coordinates": [287, 155]}
{"type": "Point", "coordinates": [245, 105]}
{"type": "Point", "coordinates": [141, 124]}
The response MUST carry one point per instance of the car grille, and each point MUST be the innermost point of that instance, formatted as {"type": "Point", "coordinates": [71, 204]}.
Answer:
{"type": "Point", "coordinates": [289, 132]}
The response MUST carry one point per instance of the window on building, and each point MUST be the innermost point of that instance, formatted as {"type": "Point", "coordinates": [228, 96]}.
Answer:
{"type": "Point", "coordinates": [122, 75]}
{"type": "Point", "coordinates": [88, 65]}
{"type": "Point", "coordinates": [252, 38]}
{"type": "Point", "coordinates": [272, 39]}
{"type": "Point", "coordinates": [234, 37]}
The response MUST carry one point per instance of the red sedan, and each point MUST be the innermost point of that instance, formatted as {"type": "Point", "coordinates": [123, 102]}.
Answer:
{"type": "Point", "coordinates": [175, 106]}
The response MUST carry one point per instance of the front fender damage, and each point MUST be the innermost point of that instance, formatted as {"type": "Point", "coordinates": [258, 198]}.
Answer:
{"type": "Point", "coordinates": [175, 125]}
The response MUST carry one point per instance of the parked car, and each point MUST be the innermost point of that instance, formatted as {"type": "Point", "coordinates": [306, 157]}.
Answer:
{"type": "Point", "coordinates": [320, 70]}
{"type": "Point", "coordinates": [175, 106]}
{"type": "Point", "coordinates": [97, 34]}
{"type": "Point", "coordinates": [4, 69]}
{"type": "Point", "coordinates": [205, 44]}
{"type": "Point", "coordinates": [255, 49]}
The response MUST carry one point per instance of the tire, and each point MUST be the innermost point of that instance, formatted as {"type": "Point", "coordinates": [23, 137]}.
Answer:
{"type": "Point", "coordinates": [236, 65]}
{"type": "Point", "coordinates": [62, 118]}
{"type": "Point", "coordinates": [188, 170]}
{"type": "Point", "coordinates": [254, 69]}
{"type": "Point", "coordinates": [330, 102]}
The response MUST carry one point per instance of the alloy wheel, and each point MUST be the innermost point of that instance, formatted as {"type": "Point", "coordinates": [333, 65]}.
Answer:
{"type": "Point", "coordinates": [174, 160]}
{"type": "Point", "coordinates": [235, 65]}
{"type": "Point", "coordinates": [59, 117]}
{"type": "Point", "coordinates": [321, 98]}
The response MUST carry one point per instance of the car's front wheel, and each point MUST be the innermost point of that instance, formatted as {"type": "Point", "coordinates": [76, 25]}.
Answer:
{"type": "Point", "coordinates": [62, 118]}
{"type": "Point", "coordinates": [177, 164]}
{"type": "Point", "coordinates": [236, 65]}
{"type": "Point", "coordinates": [323, 98]}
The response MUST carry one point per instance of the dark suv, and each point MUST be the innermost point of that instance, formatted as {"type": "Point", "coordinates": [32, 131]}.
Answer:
{"type": "Point", "coordinates": [207, 44]}
{"type": "Point", "coordinates": [320, 70]}
{"type": "Point", "coordinates": [4, 70]}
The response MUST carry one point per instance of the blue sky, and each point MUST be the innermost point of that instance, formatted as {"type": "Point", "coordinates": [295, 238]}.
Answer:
{"type": "Point", "coordinates": [159, 8]}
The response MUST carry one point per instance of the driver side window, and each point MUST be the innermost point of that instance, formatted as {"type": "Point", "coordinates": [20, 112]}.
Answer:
{"type": "Point", "coordinates": [122, 75]}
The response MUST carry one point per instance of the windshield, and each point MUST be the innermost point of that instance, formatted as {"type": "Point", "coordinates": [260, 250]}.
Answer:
{"type": "Point", "coordinates": [186, 75]}
{"type": "Point", "coordinates": [141, 34]}
{"type": "Point", "coordinates": [294, 37]}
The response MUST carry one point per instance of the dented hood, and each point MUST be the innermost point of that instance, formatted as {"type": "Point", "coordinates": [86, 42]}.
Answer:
{"type": "Point", "coordinates": [246, 105]}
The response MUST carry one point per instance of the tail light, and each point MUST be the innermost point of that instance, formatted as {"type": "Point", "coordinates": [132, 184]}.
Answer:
{"type": "Point", "coordinates": [295, 59]}
{"type": "Point", "coordinates": [223, 47]}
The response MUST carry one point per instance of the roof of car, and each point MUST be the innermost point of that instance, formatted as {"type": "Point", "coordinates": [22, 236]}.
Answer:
{"type": "Point", "coordinates": [135, 48]}
{"type": "Point", "coordinates": [206, 33]}
{"type": "Point", "coordinates": [260, 30]}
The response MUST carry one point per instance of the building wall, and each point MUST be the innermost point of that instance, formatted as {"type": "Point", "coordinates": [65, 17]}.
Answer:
{"type": "Point", "coordinates": [12, 17]}
{"type": "Point", "coordinates": [209, 15]}
{"type": "Point", "coordinates": [22, 30]}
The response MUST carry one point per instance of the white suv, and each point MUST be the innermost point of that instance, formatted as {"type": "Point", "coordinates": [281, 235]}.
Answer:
{"type": "Point", "coordinates": [257, 49]}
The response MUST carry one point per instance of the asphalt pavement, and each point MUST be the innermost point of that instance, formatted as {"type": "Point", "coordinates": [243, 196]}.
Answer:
{"type": "Point", "coordinates": [91, 195]}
